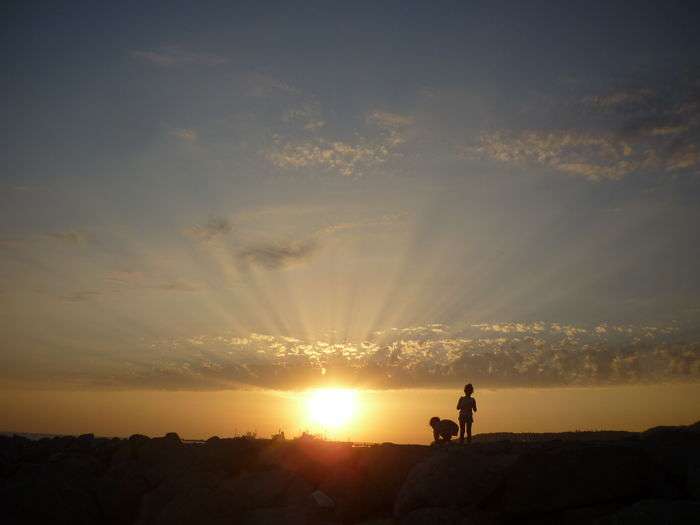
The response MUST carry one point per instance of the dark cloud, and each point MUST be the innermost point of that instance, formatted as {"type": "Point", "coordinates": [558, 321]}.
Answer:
{"type": "Point", "coordinates": [275, 256]}
{"type": "Point", "coordinates": [214, 227]}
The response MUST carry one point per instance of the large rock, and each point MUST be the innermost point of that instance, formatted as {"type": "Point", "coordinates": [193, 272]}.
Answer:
{"type": "Point", "coordinates": [546, 482]}
{"type": "Point", "coordinates": [47, 501]}
{"type": "Point", "coordinates": [368, 484]}
{"type": "Point", "coordinates": [274, 487]}
{"type": "Point", "coordinates": [653, 512]}
{"type": "Point", "coordinates": [452, 477]}
{"type": "Point", "coordinates": [292, 515]}
{"type": "Point", "coordinates": [432, 516]}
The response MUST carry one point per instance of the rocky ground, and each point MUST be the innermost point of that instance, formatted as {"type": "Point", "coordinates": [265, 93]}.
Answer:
{"type": "Point", "coordinates": [653, 477]}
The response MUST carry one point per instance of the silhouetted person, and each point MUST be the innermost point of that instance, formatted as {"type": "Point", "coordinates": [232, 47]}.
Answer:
{"type": "Point", "coordinates": [466, 406]}
{"type": "Point", "coordinates": [443, 429]}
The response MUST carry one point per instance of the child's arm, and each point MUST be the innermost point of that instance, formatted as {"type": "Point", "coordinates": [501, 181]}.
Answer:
{"type": "Point", "coordinates": [459, 403]}
{"type": "Point", "coordinates": [474, 405]}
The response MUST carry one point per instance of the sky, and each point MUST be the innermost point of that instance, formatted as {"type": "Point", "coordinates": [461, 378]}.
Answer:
{"type": "Point", "coordinates": [228, 196]}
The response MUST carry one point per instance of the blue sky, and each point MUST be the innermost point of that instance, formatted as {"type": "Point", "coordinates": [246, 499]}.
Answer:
{"type": "Point", "coordinates": [205, 196]}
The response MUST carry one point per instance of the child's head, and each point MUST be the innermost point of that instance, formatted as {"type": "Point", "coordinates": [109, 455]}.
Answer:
{"type": "Point", "coordinates": [434, 421]}
{"type": "Point", "coordinates": [468, 389]}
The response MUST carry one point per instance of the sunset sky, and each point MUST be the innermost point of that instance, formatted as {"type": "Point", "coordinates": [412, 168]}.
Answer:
{"type": "Point", "coordinates": [208, 210]}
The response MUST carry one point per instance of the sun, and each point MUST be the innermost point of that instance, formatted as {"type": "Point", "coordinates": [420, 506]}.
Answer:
{"type": "Point", "coordinates": [331, 408]}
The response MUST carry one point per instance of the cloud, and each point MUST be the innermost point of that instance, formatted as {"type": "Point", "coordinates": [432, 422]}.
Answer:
{"type": "Point", "coordinates": [648, 132]}
{"type": "Point", "coordinates": [80, 296]}
{"type": "Point", "coordinates": [308, 115]}
{"type": "Point", "coordinates": [136, 280]}
{"type": "Point", "coordinates": [389, 120]}
{"type": "Point", "coordinates": [75, 237]}
{"type": "Point", "coordinates": [348, 159]}
{"type": "Point", "coordinates": [275, 256]}
{"type": "Point", "coordinates": [594, 156]}
{"type": "Point", "coordinates": [171, 56]}
{"type": "Point", "coordinates": [12, 242]}
{"type": "Point", "coordinates": [188, 135]}
{"type": "Point", "coordinates": [125, 277]}
{"type": "Point", "coordinates": [621, 100]}
{"type": "Point", "coordinates": [264, 85]}
{"type": "Point", "coordinates": [214, 227]}
{"type": "Point", "coordinates": [503, 354]}
{"type": "Point", "coordinates": [687, 157]}
{"type": "Point", "coordinates": [69, 237]}
{"type": "Point", "coordinates": [177, 286]}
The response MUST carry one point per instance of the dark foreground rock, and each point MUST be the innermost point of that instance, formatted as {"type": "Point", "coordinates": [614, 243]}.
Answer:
{"type": "Point", "coordinates": [643, 478]}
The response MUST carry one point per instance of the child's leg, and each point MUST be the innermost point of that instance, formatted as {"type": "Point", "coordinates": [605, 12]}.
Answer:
{"type": "Point", "coordinates": [462, 421]}
{"type": "Point", "coordinates": [469, 431]}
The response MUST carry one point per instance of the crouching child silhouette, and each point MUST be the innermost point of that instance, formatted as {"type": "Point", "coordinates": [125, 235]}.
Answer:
{"type": "Point", "coordinates": [466, 406]}
{"type": "Point", "coordinates": [443, 429]}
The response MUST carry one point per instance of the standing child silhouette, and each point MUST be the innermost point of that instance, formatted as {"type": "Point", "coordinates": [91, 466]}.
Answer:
{"type": "Point", "coordinates": [466, 406]}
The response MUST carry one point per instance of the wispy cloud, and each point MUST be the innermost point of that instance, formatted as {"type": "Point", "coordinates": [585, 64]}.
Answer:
{"type": "Point", "coordinates": [308, 115]}
{"type": "Point", "coordinates": [185, 134]}
{"type": "Point", "coordinates": [214, 227]}
{"type": "Point", "coordinates": [177, 285]}
{"type": "Point", "coordinates": [372, 148]}
{"type": "Point", "coordinates": [265, 85]}
{"type": "Point", "coordinates": [343, 157]}
{"type": "Point", "coordinates": [621, 99]}
{"type": "Point", "coordinates": [80, 296]}
{"type": "Point", "coordinates": [75, 237]}
{"type": "Point", "coordinates": [170, 56]}
{"type": "Point", "coordinates": [119, 280]}
{"type": "Point", "coordinates": [278, 255]}
{"type": "Point", "coordinates": [390, 120]}
{"type": "Point", "coordinates": [593, 156]}
{"type": "Point", "coordinates": [628, 131]}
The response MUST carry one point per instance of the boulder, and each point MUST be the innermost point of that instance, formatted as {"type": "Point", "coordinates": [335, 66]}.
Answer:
{"type": "Point", "coordinates": [266, 488]}
{"type": "Point", "coordinates": [452, 477]}
{"type": "Point", "coordinates": [432, 516]}
{"type": "Point", "coordinates": [546, 482]}
{"type": "Point", "coordinates": [653, 512]}
{"type": "Point", "coordinates": [291, 515]}
{"type": "Point", "coordinates": [47, 501]}
{"type": "Point", "coordinates": [173, 437]}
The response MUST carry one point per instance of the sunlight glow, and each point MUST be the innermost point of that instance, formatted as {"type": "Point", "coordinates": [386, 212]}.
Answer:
{"type": "Point", "coordinates": [331, 408]}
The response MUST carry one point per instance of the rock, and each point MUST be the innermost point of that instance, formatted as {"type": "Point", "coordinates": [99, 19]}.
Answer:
{"type": "Point", "coordinates": [693, 478]}
{"type": "Point", "coordinates": [267, 488]}
{"type": "Point", "coordinates": [452, 477]}
{"type": "Point", "coordinates": [46, 501]}
{"type": "Point", "coordinates": [366, 484]}
{"type": "Point", "coordinates": [275, 516]}
{"type": "Point", "coordinates": [539, 483]}
{"type": "Point", "coordinates": [322, 500]}
{"type": "Point", "coordinates": [191, 507]}
{"type": "Point", "coordinates": [432, 516]}
{"type": "Point", "coordinates": [653, 512]}
{"type": "Point", "coordinates": [120, 499]}
{"type": "Point", "coordinates": [173, 437]}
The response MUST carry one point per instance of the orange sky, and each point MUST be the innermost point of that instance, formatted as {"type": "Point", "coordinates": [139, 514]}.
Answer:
{"type": "Point", "coordinates": [392, 415]}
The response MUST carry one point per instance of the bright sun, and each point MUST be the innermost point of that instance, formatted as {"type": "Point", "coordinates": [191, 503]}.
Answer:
{"type": "Point", "coordinates": [331, 408]}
